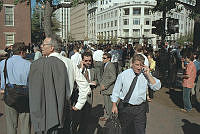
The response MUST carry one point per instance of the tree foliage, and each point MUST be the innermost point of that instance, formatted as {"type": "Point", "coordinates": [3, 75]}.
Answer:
{"type": "Point", "coordinates": [37, 26]}
{"type": "Point", "coordinates": [185, 39]}
{"type": "Point", "coordinates": [165, 5]}
{"type": "Point", "coordinates": [50, 6]}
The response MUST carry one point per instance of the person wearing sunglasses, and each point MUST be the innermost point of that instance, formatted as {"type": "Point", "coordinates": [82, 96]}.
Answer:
{"type": "Point", "coordinates": [107, 83]}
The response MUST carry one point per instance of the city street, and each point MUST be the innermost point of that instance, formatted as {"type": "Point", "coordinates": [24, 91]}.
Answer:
{"type": "Point", "coordinates": [165, 116]}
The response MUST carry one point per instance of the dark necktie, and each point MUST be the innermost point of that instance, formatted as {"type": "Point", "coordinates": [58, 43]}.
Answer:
{"type": "Point", "coordinates": [130, 91]}
{"type": "Point", "coordinates": [86, 74]}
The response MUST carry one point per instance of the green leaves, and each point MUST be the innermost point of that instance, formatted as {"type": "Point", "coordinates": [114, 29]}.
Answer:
{"type": "Point", "coordinates": [1, 4]}
{"type": "Point", "coordinates": [166, 5]}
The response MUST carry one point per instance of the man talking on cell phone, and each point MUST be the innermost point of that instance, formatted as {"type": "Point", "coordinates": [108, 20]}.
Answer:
{"type": "Point", "coordinates": [130, 89]}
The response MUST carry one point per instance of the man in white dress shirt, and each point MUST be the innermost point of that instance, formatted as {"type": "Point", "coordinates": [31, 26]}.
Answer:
{"type": "Point", "coordinates": [130, 88]}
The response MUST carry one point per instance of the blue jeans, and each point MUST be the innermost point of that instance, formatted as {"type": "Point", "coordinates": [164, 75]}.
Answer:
{"type": "Point", "coordinates": [186, 98]}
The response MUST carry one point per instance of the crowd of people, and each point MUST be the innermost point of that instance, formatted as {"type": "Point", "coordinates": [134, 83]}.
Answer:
{"type": "Point", "coordinates": [61, 80]}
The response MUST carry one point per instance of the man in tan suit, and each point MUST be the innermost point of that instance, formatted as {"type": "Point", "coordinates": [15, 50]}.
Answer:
{"type": "Point", "coordinates": [107, 83]}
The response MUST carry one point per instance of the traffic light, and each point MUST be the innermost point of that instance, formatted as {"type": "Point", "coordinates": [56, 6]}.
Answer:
{"type": "Point", "coordinates": [158, 27]}
{"type": "Point", "coordinates": [172, 25]}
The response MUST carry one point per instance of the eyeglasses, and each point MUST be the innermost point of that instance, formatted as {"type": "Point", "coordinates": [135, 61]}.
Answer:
{"type": "Point", "coordinates": [45, 44]}
{"type": "Point", "coordinates": [104, 58]}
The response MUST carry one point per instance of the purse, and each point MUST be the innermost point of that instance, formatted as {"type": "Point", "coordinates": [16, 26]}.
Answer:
{"type": "Point", "coordinates": [16, 96]}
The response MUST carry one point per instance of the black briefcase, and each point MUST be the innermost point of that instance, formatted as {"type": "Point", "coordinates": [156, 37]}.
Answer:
{"type": "Point", "coordinates": [112, 125]}
{"type": "Point", "coordinates": [17, 98]}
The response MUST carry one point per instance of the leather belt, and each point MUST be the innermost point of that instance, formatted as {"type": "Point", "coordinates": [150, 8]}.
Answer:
{"type": "Point", "coordinates": [131, 105]}
{"type": "Point", "coordinates": [16, 86]}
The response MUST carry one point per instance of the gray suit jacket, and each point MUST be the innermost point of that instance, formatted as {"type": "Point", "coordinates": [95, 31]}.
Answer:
{"type": "Point", "coordinates": [108, 78]}
{"type": "Point", "coordinates": [48, 93]}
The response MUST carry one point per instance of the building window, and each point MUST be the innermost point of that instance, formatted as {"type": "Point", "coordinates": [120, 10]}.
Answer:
{"type": "Point", "coordinates": [137, 11]}
{"type": "Point", "coordinates": [104, 25]}
{"type": "Point", "coordinates": [115, 22]}
{"type": "Point", "coordinates": [9, 15]}
{"type": "Point", "coordinates": [147, 22]}
{"type": "Point", "coordinates": [115, 13]}
{"type": "Point", "coordinates": [126, 11]}
{"type": "Point", "coordinates": [136, 32]}
{"type": "Point", "coordinates": [108, 24]}
{"type": "Point", "coordinates": [115, 33]}
{"type": "Point", "coordinates": [111, 14]}
{"type": "Point", "coordinates": [146, 31]}
{"type": "Point", "coordinates": [147, 11]}
{"type": "Point", "coordinates": [9, 39]}
{"type": "Point", "coordinates": [111, 23]}
{"type": "Point", "coordinates": [136, 21]}
{"type": "Point", "coordinates": [126, 32]}
{"type": "Point", "coordinates": [126, 21]}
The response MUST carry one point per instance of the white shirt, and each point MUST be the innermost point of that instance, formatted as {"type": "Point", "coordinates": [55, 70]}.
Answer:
{"type": "Point", "coordinates": [97, 56]}
{"type": "Point", "coordinates": [38, 55]}
{"type": "Point", "coordinates": [76, 58]}
{"type": "Point", "coordinates": [75, 75]}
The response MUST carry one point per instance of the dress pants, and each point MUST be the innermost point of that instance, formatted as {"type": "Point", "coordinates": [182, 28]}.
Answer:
{"type": "Point", "coordinates": [12, 117]}
{"type": "Point", "coordinates": [132, 118]}
{"type": "Point", "coordinates": [108, 105]}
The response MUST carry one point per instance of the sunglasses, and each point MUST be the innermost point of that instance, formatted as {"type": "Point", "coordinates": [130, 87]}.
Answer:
{"type": "Point", "coordinates": [88, 60]}
{"type": "Point", "coordinates": [104, 58]}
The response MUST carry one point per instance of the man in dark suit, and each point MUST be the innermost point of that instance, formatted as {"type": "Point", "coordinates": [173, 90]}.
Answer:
{"type": "Point", "coordinates": [107, 83]}
{"type": "Point", "coordinates": [82, 117]}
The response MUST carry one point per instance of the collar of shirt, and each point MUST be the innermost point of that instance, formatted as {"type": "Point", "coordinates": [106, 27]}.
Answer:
{"type": "Point", "coordinates": [54, 54]}
{"type": "Point", "coordinates": [106, 64]}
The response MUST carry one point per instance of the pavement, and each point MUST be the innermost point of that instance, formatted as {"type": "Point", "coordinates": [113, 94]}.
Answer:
{"type": "Point", "coordinates": [165, 116]}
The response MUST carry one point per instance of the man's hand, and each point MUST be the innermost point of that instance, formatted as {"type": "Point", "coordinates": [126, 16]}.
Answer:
{"type": "Point", "coordinates": [114, 108]}
{"type": "Point", "coordinates": [2, 91]}
{"type": "Point", "coordinates": [102, 87]}
{"type": "Point", "coordinates": [75, 109]}
{"type": "Point", "coordinates": [146, 70]}
{"type": "Point", "coordinates": [82, 64]}
{"type": "Point", "coordinates": [93, 83]}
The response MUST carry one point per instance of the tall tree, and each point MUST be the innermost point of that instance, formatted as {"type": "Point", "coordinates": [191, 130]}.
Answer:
{"type": "Point", "coordinates": [50, 6]}
{"type": "Point", "coordinates": [37, 34]}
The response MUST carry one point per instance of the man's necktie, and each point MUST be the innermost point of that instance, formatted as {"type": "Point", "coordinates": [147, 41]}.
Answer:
{"type": "Point", "coordinates": [130, 91]}
{"type": "Point", "coordinates": [86, 74]}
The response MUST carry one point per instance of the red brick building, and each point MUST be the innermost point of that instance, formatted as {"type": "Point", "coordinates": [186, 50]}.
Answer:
{"type": "Point", "coordinates": [15, 23]}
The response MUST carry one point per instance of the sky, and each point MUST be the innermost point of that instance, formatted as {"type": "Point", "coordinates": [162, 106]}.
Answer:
{"type": "Point", "coordinates": [33, 3]}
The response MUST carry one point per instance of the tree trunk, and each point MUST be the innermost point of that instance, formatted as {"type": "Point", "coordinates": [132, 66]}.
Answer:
{"type": "Point", "coordinates": [47, 19]}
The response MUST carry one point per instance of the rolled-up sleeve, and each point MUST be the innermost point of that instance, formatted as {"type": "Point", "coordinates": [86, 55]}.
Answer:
{"type": "Point", "coordinates": [155, 86]}
{"type": "Point", "coordinates": [117, 88]}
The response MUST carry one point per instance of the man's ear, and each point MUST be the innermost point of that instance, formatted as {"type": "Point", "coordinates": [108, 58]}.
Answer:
{"type": "Point", "coordinates": [52, 48]}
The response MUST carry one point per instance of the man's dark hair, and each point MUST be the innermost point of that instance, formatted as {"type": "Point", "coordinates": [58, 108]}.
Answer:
{"type": "Point", "coordinates": [76, 48]}
{"type": "Point", "coordinates": [18, 47]}
{"type": "Point", "coordinates": [87, 54]}
{"type": "Point", "coordinates": [138, 57]}
{"type": "Point", "coordinates": [108, 55]}
{"type": "Point", "coordinates": [189, 55]}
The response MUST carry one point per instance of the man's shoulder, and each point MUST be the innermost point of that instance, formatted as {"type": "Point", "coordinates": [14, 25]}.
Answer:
{"type": "Point", "coordinates": [127, 71]}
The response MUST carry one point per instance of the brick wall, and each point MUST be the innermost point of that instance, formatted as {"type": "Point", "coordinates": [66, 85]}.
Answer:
{"type": "Point", "coordinates": [22, 23]}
